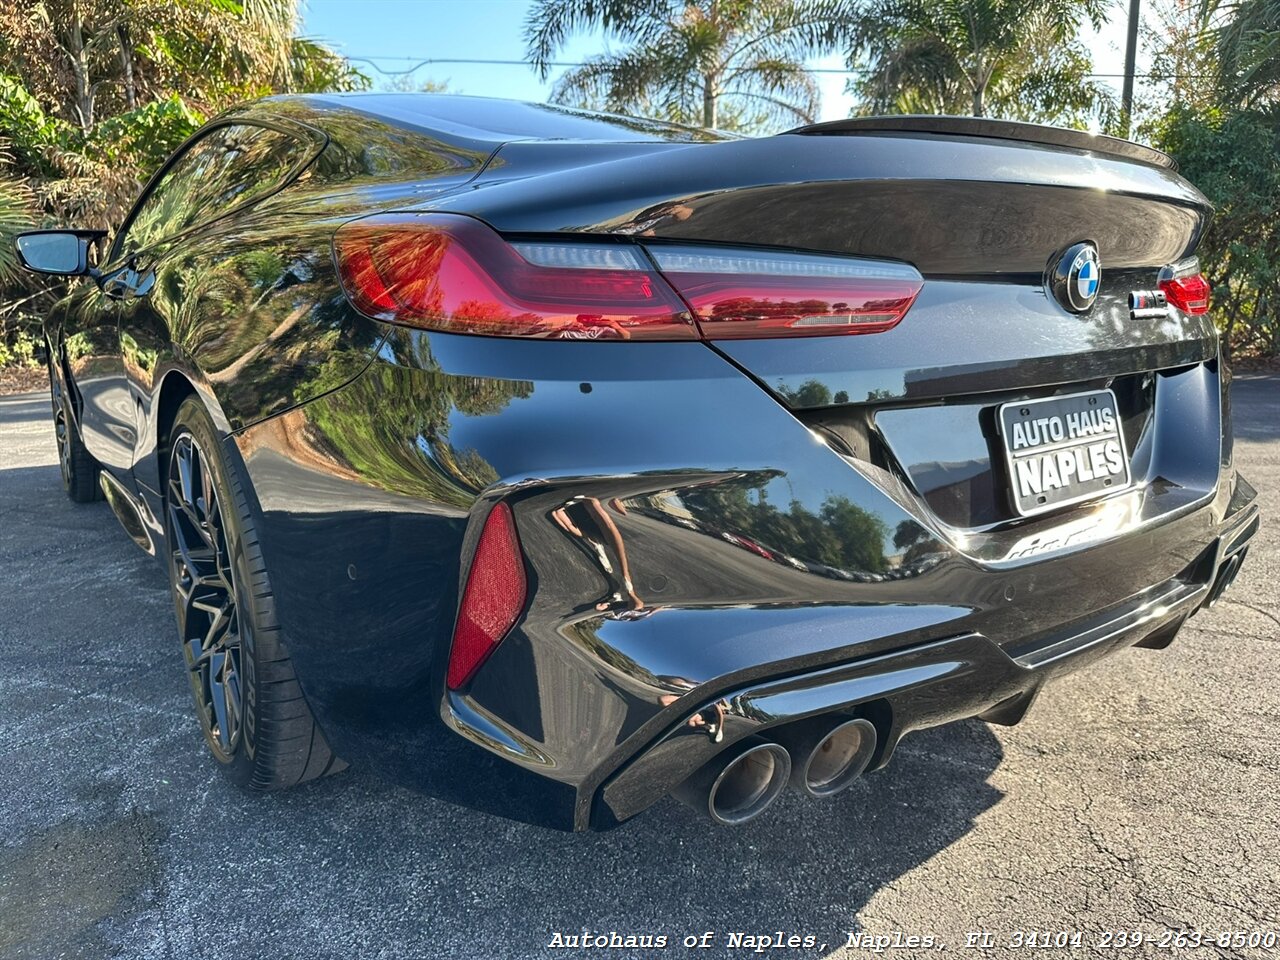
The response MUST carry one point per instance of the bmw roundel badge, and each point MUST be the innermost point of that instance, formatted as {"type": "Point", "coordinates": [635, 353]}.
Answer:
{"type": "Point", "coordinates": [1076, 279]}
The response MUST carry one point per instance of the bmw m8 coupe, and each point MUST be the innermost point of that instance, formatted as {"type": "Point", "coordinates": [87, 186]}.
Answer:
{"type": "Point", "coordinates": [553, 463]}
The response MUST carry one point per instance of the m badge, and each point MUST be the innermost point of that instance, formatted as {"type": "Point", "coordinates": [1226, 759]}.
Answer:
{"type": "Point", "coordinates": [1147, 304]}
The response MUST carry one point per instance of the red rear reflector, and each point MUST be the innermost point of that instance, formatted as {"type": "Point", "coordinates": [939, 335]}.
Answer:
{"type": "Point", "coordinates": [453, 273]}
{"type": "Point", "coordinates": [1185, 287]}
{"type": "Point", "coordinates": [493, 598]}
{"type": "Point", "coordinates": [754, 294]}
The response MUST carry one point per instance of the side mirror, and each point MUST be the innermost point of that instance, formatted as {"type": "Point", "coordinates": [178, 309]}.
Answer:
{"type": "Point", "coordinates": [63, 253]}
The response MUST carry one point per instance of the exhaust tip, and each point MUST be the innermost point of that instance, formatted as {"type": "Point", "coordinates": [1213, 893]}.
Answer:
{"type": "Point", "coordinates": [749, 784]}
{"type": "Point", "coordinates": [740, 788]}
{"type": "Point", "coordinates": [837, 759]}
{"type": "Point", "coordinates": [1226, 577]}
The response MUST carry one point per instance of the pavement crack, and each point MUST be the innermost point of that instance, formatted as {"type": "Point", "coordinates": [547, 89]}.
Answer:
{"type": "Point", "coordinates": [1261, 611]}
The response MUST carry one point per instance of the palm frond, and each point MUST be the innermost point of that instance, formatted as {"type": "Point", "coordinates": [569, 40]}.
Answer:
{"type": "Point", "coordinates": [734, 63]}
{"type": "Point", "coordinates": [1010, 58]}
{"type": "Point", "coordinates": [17, 213]}
{"type": "Point", "coordinates": [551, 22]}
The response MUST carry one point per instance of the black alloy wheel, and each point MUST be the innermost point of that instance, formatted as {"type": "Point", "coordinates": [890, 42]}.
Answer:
{"type": "Point", "coordinates": [208, 606]}
{"type": "Point", "coordinates": [76, 464]}
{"type": "Point", "coordinates": [252, 711]}
{"type": "Point", "coordinates": [64, 448]}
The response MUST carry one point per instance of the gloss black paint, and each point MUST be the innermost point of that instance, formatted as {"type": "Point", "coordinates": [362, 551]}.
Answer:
{"type": "Point", "coordinates": [812, 527]}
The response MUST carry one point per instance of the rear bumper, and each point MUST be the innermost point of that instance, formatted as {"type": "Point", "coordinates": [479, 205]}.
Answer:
{"type": "Point", "coordinates": [928, 684]}
{"type": "Point", "coordinates": [766, 577]}
{"type": "Point", "coordinates": [749, 670]}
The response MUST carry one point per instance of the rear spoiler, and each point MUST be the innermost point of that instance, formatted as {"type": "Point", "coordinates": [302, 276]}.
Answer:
{"type": "Point", "coordinates": [996, 129]}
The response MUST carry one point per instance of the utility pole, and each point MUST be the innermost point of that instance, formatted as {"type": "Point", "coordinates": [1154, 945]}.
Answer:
{"type": "Point", "coordinates": [1130, 63]}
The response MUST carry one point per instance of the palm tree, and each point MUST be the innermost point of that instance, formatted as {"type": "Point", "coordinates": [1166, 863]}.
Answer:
{"type": "Point", "coordinates": [86, 62]}
{"type": "Point", "coordinates": [732, 64]}
{"type": "Point", "coordinates": [1013, 58]}
{"type": "Point", "coordinates": [94, 95]}
{"type": "Point", "coordinates": [1249, 49]}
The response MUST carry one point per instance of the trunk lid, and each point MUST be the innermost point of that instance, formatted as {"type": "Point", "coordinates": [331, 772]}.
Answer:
{"type": "Point", "coordinates": [984, 211]}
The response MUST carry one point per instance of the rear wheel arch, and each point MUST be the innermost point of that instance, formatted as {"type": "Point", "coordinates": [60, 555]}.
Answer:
{"type": "Point", "coordinates": [176, 388]}
{"type": "Point", "coordinates": [173, 390]}
{"type": "Point", "coordinates": [58, 357]}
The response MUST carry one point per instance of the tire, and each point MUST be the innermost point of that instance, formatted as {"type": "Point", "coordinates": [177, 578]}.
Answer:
{"type": "Point", "coordinates": [78, 467]}
{"type": "Point", "coordinates": [250, 706]}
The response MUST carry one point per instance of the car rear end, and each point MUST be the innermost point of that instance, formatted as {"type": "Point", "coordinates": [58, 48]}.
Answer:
{"type": "Point", "coordinates": [753, 457]}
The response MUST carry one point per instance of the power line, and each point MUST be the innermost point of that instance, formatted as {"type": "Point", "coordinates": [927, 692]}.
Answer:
{"type": "Point", "coordinates": [419, 63]}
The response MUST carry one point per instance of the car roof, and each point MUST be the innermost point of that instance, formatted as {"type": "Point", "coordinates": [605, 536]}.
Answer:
{"type": "Point", "coordinates": [489, 119]}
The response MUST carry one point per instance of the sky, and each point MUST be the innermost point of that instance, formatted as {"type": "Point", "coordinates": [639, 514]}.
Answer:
{"type": "Point", "coordinates": [395, 34]}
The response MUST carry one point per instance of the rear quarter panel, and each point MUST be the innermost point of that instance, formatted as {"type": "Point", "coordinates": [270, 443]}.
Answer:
{"type": "Point", "coordinates": [249, 308]}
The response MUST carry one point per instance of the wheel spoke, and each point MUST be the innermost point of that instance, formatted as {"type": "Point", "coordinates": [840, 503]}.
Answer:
{"type": "Point", "coordinates": [64, 448]}
{"type": "Point", "coordinates": [206, 502]}
{"type": "Point", "coordinates": [183, 606]}
{"type": "Point", "coordinates": [218, 699]}
{"type": "Point", "coordinates": [218, 542]}
{"type": "Point", "coordinates": [193, 559]}
{"type": "Point", "coordinates": [219, 622]}
{"type": "Point", "coordinates": [191, 514]}
{"type": "Point", "coordinates": [182, 459]}
{"type": "Point", "coordinates": [231, 685]}
{"type": "Point", "coordinates": [183, 483]}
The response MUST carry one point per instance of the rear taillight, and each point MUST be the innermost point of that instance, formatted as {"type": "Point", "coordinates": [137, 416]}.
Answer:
{"type": "Point", "coordinates": [1185, 287]}
{"type": "Point", "coordinates": [453, 273]}
{"type": "Point", "coordinates": [493, 598]}
{"type": "Point", "coordinates": [753, 294]}
{"type": "Point", "coordinates": [448, 272]}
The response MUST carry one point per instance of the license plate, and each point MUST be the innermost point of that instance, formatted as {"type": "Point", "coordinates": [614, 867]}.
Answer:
{"type": "Point", "coordinates": [1063, 450]}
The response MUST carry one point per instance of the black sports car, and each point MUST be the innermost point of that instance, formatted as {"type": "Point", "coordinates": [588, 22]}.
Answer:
{"type": "Point", "coordinates": [553, 463]}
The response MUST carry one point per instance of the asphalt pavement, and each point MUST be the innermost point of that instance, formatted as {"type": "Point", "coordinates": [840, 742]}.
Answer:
{"type": "Point", "coordinates": [1140, 795]}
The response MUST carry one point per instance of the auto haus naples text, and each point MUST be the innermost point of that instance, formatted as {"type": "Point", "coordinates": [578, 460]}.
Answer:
{"type": "Point", "coordinates": [1065, 457]}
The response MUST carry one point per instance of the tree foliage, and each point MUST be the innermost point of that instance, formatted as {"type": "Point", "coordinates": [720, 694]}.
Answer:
{"type": "Point", "coordinates": [1233, 156]}
{"type": "Point", "coordinates": [1182, 62]}
{"type": "Point", "coordinates": [95, 94]}
{"type": "Point", "coordinates": [732, 64]}
{"type": "Point", "coordinates": [1213, 104]}
{"type": "Point", "coordinates": [1016, 59]}
{"type": "Point", "coordinates": [408, 83]}
{"type": "Point", "coordinates": [16, 207]}
{"type": "Point", "coordinates": [1247, 35]}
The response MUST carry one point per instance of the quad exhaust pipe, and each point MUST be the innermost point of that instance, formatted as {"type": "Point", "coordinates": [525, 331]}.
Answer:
{"type": "Point", "coordinates": [819, 757]}
{"type": "Point", "coordinates": [1226, 577]}
{"type": "Point", "coordinates": [827, 755]}
{"type": "Point", "coordinates": [739, 783]}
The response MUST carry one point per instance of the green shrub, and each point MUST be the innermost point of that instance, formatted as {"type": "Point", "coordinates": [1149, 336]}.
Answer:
{"type": "Point", "coordinates": [1233, 155]}
{"type": "Point", "coordinates": [24, 350]}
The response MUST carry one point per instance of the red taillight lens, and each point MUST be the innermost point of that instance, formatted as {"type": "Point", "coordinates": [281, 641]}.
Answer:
{"type": "Point", "coordinates": [453, 273]}
{"type": "Point", "coordinates": [749, 294]}
{"type": "Point", "coordinates": [1185, 287]}
{"type": "Point", "coordinates": [493, 598]}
